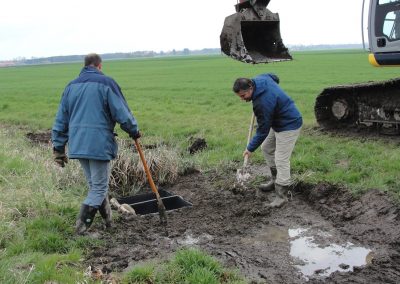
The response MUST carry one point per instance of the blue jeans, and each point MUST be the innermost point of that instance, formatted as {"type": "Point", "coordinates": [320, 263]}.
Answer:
{"type": "Point", "coordinates": [97, 175]}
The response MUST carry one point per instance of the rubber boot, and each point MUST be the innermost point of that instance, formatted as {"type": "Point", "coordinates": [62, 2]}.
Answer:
{"type": "Point", "coordinates": [105, 212]}
{"type": "Point", "coordinates": [281, 192]}
{"type": "Point", "coordinates": [269, 186]}
{"type": "Point", "coordinates": [85, 219]}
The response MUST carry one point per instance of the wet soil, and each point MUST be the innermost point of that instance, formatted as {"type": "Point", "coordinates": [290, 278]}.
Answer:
{"type": "Point", "coordinates": [197, 145]}
{"type": "Point", "coordinates": [236, 227]}
{"type": "Point", "coordinates": [39, 137]}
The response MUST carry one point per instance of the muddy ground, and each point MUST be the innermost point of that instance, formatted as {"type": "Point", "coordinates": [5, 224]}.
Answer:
{"type": "Point", "coordinates": [323, 235]}
{"type": "Point", "coordinates": [236, 228]}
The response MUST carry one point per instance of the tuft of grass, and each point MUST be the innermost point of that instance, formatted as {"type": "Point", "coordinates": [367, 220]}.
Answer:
{"type": "Point", "coordinates": [188, 265]}
{"type": "Point", "coordinates": [140, 275]}
{"type": "Point", "coordinates": [127, 171]}
{"type": "Point", "coordinates": [190, 259]}
{"type": "Point", "coordinates": [202, 275]}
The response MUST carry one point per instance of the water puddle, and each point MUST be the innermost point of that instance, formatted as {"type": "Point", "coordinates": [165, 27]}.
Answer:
{"type": "Point", "coordinates": [323, 259]}
{"type": "Point", "coordinates": [313, 251]}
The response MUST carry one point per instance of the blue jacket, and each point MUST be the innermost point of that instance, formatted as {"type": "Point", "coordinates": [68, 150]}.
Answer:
{"type": "Point", "coordinates": [272, 108]}
{"type": "Point", "coordinates": [89, 108]}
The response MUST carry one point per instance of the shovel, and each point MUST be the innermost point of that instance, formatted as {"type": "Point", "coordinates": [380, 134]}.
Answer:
{"type": "Point", "coordinates": [160, 204]}
{"type": "Point", "coordinates": [242, 175]}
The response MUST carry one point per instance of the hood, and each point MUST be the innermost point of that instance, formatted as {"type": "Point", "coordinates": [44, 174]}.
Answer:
{"type": "Point", "coordinates": [261, 83]}
{"type": "Point", "coordinates": [90, 69]}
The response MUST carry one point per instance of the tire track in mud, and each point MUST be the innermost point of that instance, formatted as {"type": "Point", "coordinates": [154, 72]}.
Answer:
{"type": "Point", "coordinates": [237, 229]}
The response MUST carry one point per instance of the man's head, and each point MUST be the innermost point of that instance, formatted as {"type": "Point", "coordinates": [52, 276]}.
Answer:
{"type": "Point", "coordinates": [243, 88]}
{"type": "Point", "coordinates": [93, 59]}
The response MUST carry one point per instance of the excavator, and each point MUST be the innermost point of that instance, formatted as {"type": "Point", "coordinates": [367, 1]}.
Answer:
{"type": "Point", "coordinates": [370, 106]}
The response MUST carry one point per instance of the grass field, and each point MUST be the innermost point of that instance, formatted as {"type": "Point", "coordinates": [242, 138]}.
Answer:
{"type": "Point", "coordinates": [177, 98]}
{"type": "Point", "coordinates": [173, 99]}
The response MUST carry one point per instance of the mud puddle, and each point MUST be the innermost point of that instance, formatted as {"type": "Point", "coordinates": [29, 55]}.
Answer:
{"type": "Point", "coordinates": [319, 258]}
{"type": "Point", "coordinates": [267, 246]}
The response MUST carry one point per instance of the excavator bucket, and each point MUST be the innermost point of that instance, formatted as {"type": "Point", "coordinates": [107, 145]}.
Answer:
{"type": "Point", "coordinates": [252, 34]}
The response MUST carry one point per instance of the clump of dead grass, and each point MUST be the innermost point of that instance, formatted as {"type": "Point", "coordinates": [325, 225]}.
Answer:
{"type": "Point", "coordinates": [127, 171]}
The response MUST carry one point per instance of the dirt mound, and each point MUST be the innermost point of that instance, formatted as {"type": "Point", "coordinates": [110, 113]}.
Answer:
{"type": "Point", "coordinates": [267, 246]}
{"type": "Point", "coordinates": [39, 137]}
{"type": "Point", "coordinates": [197, 145]}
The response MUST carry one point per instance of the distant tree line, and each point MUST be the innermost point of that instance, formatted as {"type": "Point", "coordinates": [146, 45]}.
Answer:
{"type": "Point", "coordinates": [324, 47]}
{"type": "Point", "coordinates": [117, 55]}
{"type": "Point", "coordinates": [143, 54]}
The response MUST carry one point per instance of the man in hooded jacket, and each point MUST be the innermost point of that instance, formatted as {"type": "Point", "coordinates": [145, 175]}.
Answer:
{"type": "Point", "coordinates": [90, 107]}
{"type": "Point", "coordinates": [279, 123]}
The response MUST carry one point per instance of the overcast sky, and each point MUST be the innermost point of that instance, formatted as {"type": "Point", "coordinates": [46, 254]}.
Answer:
{"type": "Point", "coordinates": [44, 28]}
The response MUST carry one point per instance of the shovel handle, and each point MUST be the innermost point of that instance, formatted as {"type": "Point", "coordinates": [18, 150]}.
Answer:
{"type": "Point", "coordinates": [246, 157]}
{"type": "Point", "coordinates": [246, 160]}
{"type": "Point", "coordinates": [146, 169]}
{"type": "Point", "coordinates": [251, 128]}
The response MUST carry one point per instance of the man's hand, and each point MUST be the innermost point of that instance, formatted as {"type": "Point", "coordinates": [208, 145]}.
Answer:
{"type": "Point", "coordinates": [136, 135]}
{"type": "Point", "coordinates": [60, 158]}
{"type": "Point", "coordinates": [246, 153]}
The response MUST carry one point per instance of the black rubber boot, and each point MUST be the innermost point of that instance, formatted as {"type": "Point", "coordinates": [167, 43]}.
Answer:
{"type": "Point", "coordinates": [85, 219]}
{"type": "Point", "coordinates": [269, 186]}
{"type": "Point", "coordinates": [281, 192]}
{"type": "Point", "coordinates": [105, 212]}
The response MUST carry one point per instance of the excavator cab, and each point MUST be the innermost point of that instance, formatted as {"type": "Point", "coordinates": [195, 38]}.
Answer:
{"type": "Point", "coordinates": [252, 34]}
{"type": "Point", "coordinates": [384, 32]}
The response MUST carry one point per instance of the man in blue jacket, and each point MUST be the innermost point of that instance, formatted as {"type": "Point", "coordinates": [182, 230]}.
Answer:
{"type": "Point", "coordinates": [89, 109]}
{"type": "Point", "coordinates": [279, 123]}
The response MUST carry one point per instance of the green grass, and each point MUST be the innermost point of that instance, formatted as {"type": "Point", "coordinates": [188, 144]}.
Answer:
{"type": "Point", "coordinates": [189, 266]}
{"type": "Point", "coordinates": [37, 242]}
{"type": "Point", "coordinates": [173, 99]}
{"type": "Point", "coordinates": [177, 98]}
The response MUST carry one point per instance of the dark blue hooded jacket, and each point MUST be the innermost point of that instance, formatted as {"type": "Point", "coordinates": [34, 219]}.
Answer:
{"type": "Point", "coordinates": [89, 108]}
{"type": "Point", "coordinates": [272, 108]}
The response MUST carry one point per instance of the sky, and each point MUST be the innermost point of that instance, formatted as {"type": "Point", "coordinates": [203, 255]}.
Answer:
{"type": "Point", "coordinates": [44, 28]}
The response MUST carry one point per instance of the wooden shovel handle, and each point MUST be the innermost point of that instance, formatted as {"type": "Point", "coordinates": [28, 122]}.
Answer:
{"type": "Point", "coordinates": [251, 128]}
{"type": "Point", "coordinates": [146, 168]}
{"type": "Point", "coordinates": [246, 158]}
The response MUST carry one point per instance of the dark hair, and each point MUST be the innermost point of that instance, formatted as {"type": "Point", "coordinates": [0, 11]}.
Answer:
{"type": "Point", "coordinates": [242, 84]}
{"type": "Point", "coordinates": [92, 59]}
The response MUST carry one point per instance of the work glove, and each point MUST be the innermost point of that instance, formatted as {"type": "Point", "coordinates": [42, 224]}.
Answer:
{"type": "Point", "coordinates": [136, 135]}
{"type": "Point", "coordinates": [60, 157]}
